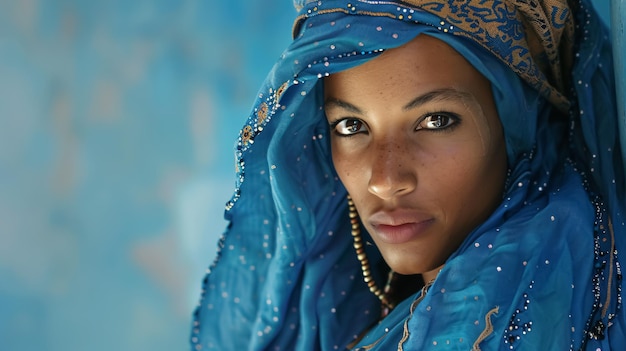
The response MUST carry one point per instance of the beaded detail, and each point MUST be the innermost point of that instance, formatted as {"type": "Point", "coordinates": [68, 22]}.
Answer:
{"type": "Point", "coordinates": [533, 53]}
{"type": "Point", "coordinates": [517, 327]}
{"type": "Point", "coordinates": [365, 266]}
{"type": "Point", "coordinates": [606, 277]}
{"type": "Point", "coordinates": [260, 117]}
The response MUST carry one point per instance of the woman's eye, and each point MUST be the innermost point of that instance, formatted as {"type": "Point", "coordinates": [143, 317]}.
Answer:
{"type": "Point", "coordinates": [436, 121]}
{"type": "Point", "coordinates": [349, 126]}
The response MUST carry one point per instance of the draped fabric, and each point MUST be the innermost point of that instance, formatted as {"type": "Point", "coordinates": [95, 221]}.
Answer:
{"type": "Point", "coordinates": [542, 273]}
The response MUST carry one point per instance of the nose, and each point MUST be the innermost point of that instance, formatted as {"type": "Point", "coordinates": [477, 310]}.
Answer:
{"type": "Point", "coordinates": [392, 171]}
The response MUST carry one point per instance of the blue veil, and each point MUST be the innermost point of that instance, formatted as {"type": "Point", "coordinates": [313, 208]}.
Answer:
{"type": "Point", "coordinates": [542, 273]}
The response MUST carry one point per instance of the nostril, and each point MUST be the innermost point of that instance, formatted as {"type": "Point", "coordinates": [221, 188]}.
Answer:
{"type": "Point", "coordinates": [392, 184]}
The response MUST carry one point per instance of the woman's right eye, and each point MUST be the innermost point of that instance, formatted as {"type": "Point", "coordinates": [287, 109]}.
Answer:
{"type": "Point", "coordinates": [349, 126]}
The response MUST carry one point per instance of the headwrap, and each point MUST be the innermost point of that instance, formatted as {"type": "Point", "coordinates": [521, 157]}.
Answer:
{"type": "Point", "coordinates": [542, 273]}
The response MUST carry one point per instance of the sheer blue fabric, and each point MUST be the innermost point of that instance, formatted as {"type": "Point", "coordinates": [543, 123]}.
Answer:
{"type": "Point", "coordinates": [542, 273]}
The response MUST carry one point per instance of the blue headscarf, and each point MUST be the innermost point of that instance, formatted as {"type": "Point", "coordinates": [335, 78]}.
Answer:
{"type": "Point", "coordinates": [542, 273]}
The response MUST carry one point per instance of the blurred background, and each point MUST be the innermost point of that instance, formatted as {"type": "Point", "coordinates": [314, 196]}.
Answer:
{"type": "Point", "coordinates": [117, 124]}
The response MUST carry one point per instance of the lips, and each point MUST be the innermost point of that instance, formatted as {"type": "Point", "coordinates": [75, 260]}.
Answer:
{"type": "Point", "coordinates": [400, 226]}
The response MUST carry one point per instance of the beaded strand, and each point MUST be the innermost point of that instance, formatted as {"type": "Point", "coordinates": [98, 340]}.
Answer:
{"type": "Point", "coordinates": [365, 265]}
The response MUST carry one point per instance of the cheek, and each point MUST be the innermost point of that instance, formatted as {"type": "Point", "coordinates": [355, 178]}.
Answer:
{"type": "Point", "coordinates": [351, 167]}
{"type": "Point", "coordinates": [446, 160]}
{"type": "Point", "coordinates": [475, 183]}
{"type": "Point", "coordinates": [344, 165]}
{"type": "Point", "coordinates": [456, 172]}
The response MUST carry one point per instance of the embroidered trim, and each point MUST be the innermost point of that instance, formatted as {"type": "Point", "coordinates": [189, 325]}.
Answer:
{"type": "Point", "coordinates": [406, 333]}
{"type": "Point", "coordinates": [488, 328]}
{"type": "Point", "coordinates": [266, 107]}
{"type": "Point", "coordinates": [370, 346]}
{"type": "Point", "coordinates": [534, 56]}
{"type": "Point", "coordinates": [611, 264]}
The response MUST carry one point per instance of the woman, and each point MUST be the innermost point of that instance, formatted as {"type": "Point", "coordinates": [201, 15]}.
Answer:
{"type": "Point", "coordinates": [478, 144]}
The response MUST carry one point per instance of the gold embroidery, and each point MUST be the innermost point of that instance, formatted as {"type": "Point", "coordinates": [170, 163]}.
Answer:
{"type": "Point", "coordinates": [488, 328]}
{"type": "Point", "coordinates": [280, 91]}
{"type": "Point", "coordinates": [261, 113]}
{"type": "Point", "coordinates": [544, 37]}
{"type": "Point", "coordinates": [611, 264]}
{"type": "Point", "coordinates": [406, 333]}
{"type": "Point", "coordinates": [246, 135]}
{"type": "Point", "coordinates": [535, 50]}
{"type": "Point", "coordinates": [370, 346]}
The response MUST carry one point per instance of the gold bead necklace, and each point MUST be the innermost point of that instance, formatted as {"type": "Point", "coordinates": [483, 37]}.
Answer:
{"type": "Point", "coordinates": [365, 265]}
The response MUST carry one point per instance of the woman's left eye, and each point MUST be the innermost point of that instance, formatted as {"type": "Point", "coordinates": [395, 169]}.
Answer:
{"type": "Point", "coordinates": [349, 127]}
{"type": "Point", "coordinates": [437, 121]}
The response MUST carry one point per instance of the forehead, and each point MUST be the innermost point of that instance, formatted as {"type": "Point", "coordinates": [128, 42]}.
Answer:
{"type": "Point", "coordinates": [423, 65]}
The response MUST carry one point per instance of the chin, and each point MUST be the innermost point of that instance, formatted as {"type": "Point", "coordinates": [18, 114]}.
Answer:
{"type": "Point", "coordinates": [407, 267]}
{"type": "Point", "coordinates": [412, 262]}
{"type": "Point", "coordinates": [406, 271]}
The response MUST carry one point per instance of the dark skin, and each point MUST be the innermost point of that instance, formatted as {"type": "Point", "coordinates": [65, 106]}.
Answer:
{"type": "Point", "coordinates": [417, 142]}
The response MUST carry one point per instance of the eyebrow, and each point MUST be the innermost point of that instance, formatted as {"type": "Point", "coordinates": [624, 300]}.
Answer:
{"type": "Point", "coordinates": [434, 95]}
{"type": "Point", "coordinates": [334, 102]}
{"type": "Point", "coordinates": [439, 95]}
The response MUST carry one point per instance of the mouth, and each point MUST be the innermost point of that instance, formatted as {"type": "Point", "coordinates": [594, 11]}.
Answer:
{"type": "Point", "coordinates": [400, 226]}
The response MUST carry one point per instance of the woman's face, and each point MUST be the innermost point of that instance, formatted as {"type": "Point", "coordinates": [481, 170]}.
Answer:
{"type": "Point", "coordinates": [417, 142]}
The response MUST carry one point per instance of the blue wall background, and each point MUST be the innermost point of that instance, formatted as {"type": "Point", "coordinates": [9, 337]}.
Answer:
{"type": "Point", "coordinates": [117, 124]}
{"type": "Point", "coordinates": [117, 121]}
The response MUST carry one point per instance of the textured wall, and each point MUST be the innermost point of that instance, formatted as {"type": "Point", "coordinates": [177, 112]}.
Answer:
{"type": "Point", "coordinates": [117, 120]}
{"type": "Point", "coordinates": [117, 125]}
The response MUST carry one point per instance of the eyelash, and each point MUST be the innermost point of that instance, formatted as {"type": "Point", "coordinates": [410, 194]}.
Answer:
{"type": "Point", "coordinates": [333, 126]}
{"type": "Point", "coordinates": [453, 122]}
